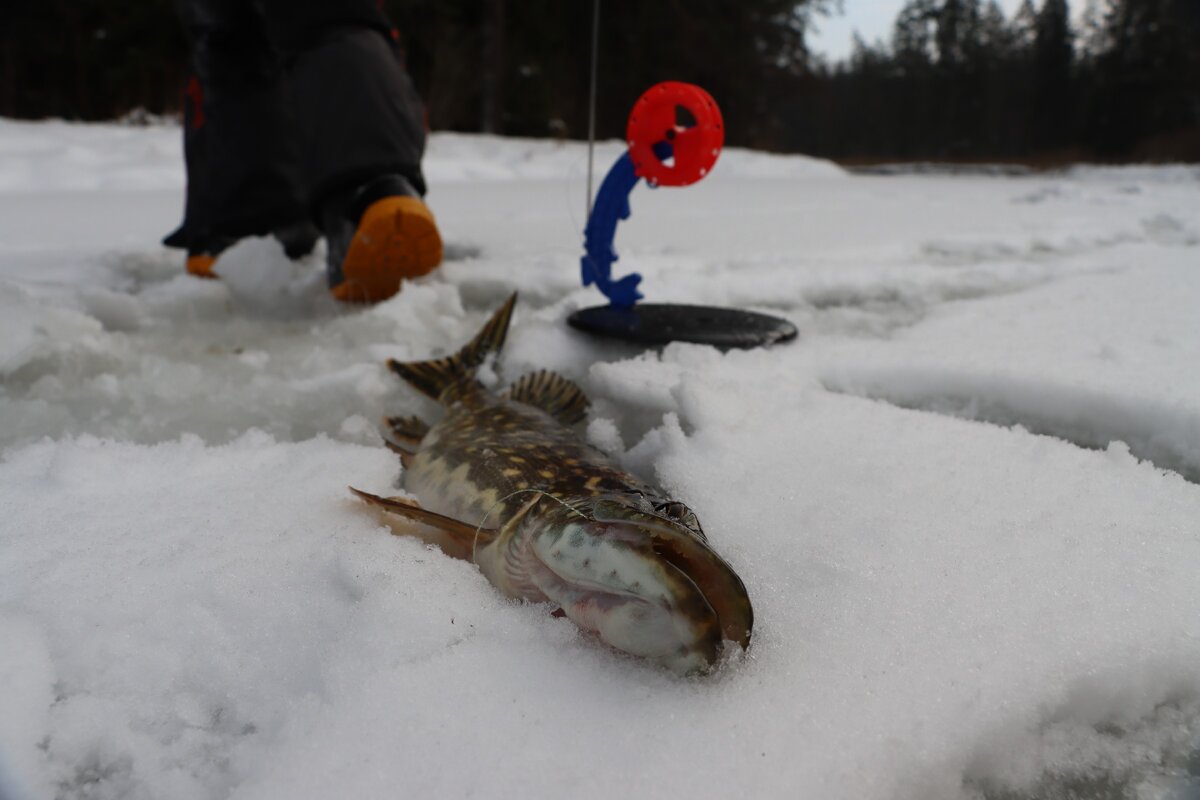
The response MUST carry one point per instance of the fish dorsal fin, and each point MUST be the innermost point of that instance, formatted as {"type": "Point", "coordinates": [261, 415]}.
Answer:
{"type": "Point", "coordinates": [435, 377]}
{"type": "Point", "coordinates": [552, 393]}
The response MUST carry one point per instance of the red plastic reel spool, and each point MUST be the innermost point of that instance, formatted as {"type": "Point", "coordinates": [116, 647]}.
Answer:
{"type": "Point", "coordinates": [687, 118]}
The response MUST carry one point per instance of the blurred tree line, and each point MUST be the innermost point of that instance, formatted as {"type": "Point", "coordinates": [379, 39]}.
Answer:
{"type": "Point", "coordinates": [958, 79]}
{"type": "Point", "coordinates": [749, 54]}
{"type": "Point", "coordinates": [89, 59]}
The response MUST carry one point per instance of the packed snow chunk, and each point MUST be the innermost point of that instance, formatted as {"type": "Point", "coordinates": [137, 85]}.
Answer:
{"type": "Point", "coordinates": [197, 599]}
{"type": "Point", "coordinates": [1024, 581]}
{"type": "Point", "coordinates": [27, 675]}
{"type": "Point", "coordinates": [195, 607]}
{"type": "Point", "coordinates": [33, 329]}
{"type": "Point", "coordinates": [603, 433]}
{"type": "Point", "coordinates": [200, 364]}
{"type": "Point", "coordinates": [645, 382]}
{"type": "Point", "coordinates": [63, 156]}
{"type": "Point", "coordinates": [1166, 434]}
{"type": "Point", "coordinates": [263, 280]}
{"type": "Point", "coordinates": [116, 311]}
{"type": "Point", "coordinates": [541, 339]}
{"type": "Point", "coordinates": [1113, 734]}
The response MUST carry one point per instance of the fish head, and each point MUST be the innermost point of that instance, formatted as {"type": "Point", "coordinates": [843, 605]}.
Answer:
{"type": "Point", "coordinates": [646, 583]}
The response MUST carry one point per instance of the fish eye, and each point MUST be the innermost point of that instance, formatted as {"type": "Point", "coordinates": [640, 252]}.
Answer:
{"type": "Point", "coordinates": [678, 512]}
{"type": "Point", "coordinates": [673, 509]}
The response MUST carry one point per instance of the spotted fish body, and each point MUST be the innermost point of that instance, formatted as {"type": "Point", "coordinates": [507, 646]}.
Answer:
{"type": "Point", "coordinates": [504, 481]}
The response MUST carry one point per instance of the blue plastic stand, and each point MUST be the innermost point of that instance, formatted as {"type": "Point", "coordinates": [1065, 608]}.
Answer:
{"type": "Point", "coordinates": [654, 323]}
{"type": "Point", "coordinates": [612, 206]}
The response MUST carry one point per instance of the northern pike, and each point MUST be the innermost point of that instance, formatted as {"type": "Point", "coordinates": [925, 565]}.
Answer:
{"type": "Point", "coordinates": [502, 480]}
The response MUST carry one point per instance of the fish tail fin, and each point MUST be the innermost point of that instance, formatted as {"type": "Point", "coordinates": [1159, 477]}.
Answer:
{"type": "Point", "coordinates": [434, 377]}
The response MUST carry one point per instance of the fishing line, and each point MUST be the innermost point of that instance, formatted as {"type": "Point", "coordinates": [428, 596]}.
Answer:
{"type": "Point", "coordinates": [502, 500]}
{"type": "Point", "coordinates": [591, 138]}
{"type": "Point", "coordinates": [592, 99]}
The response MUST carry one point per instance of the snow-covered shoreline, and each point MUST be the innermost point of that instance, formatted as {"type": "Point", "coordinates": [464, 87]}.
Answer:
{"type": "Point", "coordinates": [192, 606]}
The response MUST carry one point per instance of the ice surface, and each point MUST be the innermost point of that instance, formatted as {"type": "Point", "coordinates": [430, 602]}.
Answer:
{"type": "Point", "coordinates": [964, 502]}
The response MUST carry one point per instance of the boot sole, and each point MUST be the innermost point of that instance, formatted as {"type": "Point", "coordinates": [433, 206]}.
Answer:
{"type": "Point", "coordinates": [396, 239]}
{"type": "Point", "coordinates": [201, 266]}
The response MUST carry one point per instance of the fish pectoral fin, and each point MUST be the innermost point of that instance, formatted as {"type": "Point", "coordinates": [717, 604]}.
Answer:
{"type": "Point", "coordinates": [516, 518]}
{"type": "Point", "coordinates": [407, 430]}
{"type": "Point", "coordinates": [407, 434]}
{"type": "Point", "coordinates": [406, 456]}
{"type": "Point", "coordinates": [552, 393]}
{"type": "Point", "coordinates": [456, 538]}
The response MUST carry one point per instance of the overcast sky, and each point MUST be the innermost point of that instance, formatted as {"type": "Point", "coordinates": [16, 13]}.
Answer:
{"type": "Point", "coordinates": [871, 18]}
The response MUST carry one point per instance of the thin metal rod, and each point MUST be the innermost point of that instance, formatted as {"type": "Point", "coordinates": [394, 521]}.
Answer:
{"type": "Point", "coordinates": [592, 100]}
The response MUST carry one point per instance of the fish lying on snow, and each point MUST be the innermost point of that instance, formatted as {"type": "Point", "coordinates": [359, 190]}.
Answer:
{"type": "Point", "coordinates": [502, 481]}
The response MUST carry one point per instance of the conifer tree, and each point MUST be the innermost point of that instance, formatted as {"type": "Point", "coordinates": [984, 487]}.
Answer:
{"type": "Point", "coordinates": [1053, 56]}
{"type": "Point", "coordinates": [1149, 74]}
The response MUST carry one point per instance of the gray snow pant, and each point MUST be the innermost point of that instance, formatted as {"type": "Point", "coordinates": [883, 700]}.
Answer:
{"type": "Point", "coordinates": [292, 101]}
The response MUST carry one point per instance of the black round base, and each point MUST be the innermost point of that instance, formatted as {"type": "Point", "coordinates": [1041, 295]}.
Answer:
{"type": "Point", "coordinates": [661, 323]}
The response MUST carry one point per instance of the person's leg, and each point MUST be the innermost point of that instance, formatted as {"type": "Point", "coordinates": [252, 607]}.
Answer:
{"type": "Point", "coordinates": [195, 225]}
{"type": "Point", "coordinates": [243, 169]}
{"type": "Point", "coordinates": [361, 134]}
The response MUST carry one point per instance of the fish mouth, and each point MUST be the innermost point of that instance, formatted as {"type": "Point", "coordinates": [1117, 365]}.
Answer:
{"type": "Point", "coordinates": [646, 587]}
{"type": "Point", "coordinates": [718, 584]}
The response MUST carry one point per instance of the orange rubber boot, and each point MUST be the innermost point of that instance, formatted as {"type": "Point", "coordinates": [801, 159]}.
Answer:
{"type": "Point", "coordinates": [396, 238]}
{"type": "Point", "coordinates": [201, 264]}
{"type": "Point", "coordinates": [298, 238]}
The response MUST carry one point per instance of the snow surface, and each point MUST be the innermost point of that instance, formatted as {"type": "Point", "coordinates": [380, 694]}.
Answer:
{"type": "Point", "coordinates": [965, 502]}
